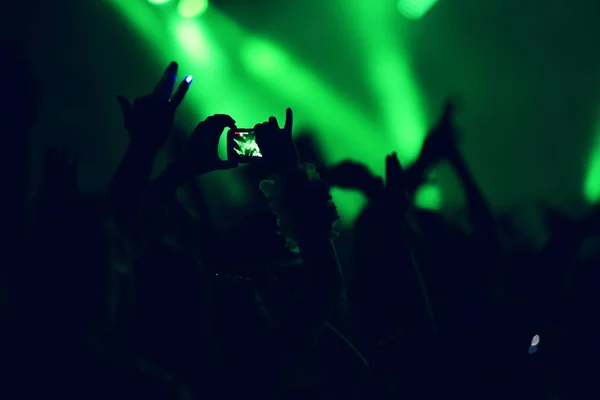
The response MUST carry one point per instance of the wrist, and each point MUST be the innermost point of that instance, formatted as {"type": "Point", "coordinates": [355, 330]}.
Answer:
{"type": "Point", "coordinates": [143, 149]}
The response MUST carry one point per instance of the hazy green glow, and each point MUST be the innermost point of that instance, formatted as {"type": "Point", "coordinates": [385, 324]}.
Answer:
{"type": "Point", "coordinates": [429, 196]}
{"type": "Point", "coordinates": [394, 85]}
{"type": "Point", "coordinates": [141, 17]}
{"type": "Point", "coordinates": [400, 102]}
{"type": "Point", "coordinates": [208, 62]}
{"type": "Point", "coordinates": [346, 133]}
{"type": "Point", "coordinates": [592, 179]}
{"type": "Point", "coordinates": [415, 9]}
{"type": "Point", "coordinates": [192, 8]}
{"type": "Point", "coordinates": [345, 130]}
{"type": "Point", "coordinates": [193, 42]}
{"type": "Point", "coordinates": [349, 203]}
{"type": "Point", "coordinates": [158, 1]}
{"type": "Point", "coordinates": [271, 80]}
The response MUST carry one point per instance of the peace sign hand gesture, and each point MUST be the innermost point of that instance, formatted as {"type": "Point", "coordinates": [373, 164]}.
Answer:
{"type": "Point", "coordinates": [149, 119]}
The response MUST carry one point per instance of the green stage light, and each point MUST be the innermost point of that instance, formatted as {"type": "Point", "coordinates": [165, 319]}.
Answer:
{"type": "Point", "coordinates": [415, 9]}
{"type": "Point", "coordinates": [192, 8]}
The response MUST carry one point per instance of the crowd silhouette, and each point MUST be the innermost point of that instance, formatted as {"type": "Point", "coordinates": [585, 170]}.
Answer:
{"type": "Point", "coordinates": [131, 296]}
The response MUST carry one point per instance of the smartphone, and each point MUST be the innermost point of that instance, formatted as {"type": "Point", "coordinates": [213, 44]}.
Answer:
{"type": "Point", "coordinates": [242, 147]}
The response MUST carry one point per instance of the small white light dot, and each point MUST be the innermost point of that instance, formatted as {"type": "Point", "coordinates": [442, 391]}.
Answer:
{"type": "Point", "coordinates": [536, 340]}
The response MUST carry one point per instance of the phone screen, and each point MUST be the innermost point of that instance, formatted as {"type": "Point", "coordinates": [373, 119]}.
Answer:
{"type": "Point", "coordinates": [243, 142]}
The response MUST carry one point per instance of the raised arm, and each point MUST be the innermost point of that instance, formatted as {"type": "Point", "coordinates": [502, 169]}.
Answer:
{"type": "Point", "coordinates": [148, 120]}
{"type": "Point", "coordinates": [306, 215]}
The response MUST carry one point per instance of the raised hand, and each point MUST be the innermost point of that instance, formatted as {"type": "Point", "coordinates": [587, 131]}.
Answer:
{"type": "Point", "coordinates": [352, 175]}
{"type": "Point", "coordinates": [200, 154]}
{"type": "Point", "coordinates": [276, 144]}
{"type": "Point", "coordinates": [149, 119]}
{"type": "Point", "coordinates": [442, 141]}
{"type": "Point", "coordinates": [395, 182]}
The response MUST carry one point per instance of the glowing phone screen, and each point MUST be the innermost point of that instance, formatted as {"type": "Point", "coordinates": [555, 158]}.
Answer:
{"type": "Point", "coordinates": [245, 144]}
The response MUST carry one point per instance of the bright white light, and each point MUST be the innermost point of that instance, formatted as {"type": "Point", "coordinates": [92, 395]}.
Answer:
{"type": "Point", "coordinates": [158, 1]}
{"type": "Point", "coordinates": [534, 344]}
{"type": "Point", "coordinates": [188, 79]}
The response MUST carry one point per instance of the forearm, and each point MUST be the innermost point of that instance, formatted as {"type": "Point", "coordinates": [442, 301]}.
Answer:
{"type": "Point", "coordinates": [480, 214]}
{"type": "Point", "coordinates": [320, 281]}
{"type": "Point", "coordinates": [131, 180]}
{"type": "Point", "coordinates": [165, 186]}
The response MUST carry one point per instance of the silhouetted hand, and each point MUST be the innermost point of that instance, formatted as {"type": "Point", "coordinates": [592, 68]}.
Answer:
{"type": "Point", "coordinates": [200, 154]}
{"type": "Point", "coordinates": [442, 141]}
{"type": "Point", "coordinates": [276, 145]}
{"type": "Point", "coordinates": [353, 175]}
{"type": "Point", "coordinates": [150, 118]}
{"type": "Point", "coordinates": [395, 183]}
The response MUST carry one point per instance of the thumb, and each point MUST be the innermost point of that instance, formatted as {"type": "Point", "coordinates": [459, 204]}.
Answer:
{"type": "Point", "coordinates": [289, 121]}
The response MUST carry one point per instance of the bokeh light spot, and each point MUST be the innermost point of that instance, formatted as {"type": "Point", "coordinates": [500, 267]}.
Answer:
{"type": "Point", "coordinates": [192, 40]}
{"type": "Point", "coordinates": [429, 197]}
{"type": "Point", "coordinates": [415, 9]}
{"type": "Point", "coordinates": [591, 187]}
{"type": "Point", "coordinates": [192, 8]}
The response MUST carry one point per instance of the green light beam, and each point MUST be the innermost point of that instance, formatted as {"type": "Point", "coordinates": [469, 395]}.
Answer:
{"type": "Point", "coordinates": [192, 8]}
{"type": "Point", "coordinates": [347, 133]}
{"type": "Point", "coordinates": [591, 187]}
{"type": "Point", "coordinates": [415, 9]}
{"type": "Point", "coordinates": [394, 85]}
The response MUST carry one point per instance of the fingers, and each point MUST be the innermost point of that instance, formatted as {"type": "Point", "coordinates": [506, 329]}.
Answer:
{"type": "Point", "coordinates": [164, 87]}
{"type": "Point", "coordinates": [393, 169]}
{"type": "Point", "coordinates": [289, 121]}
{"type": "Point", "coordinates": [388, 168]}
{"type": "Point", "coordinates": [181, 91]}
{"type": "Point", "coordinates": [221, 120]}
{"type": "Point", "coordinates": [260, 129]}
{"type": "Point", "coordinates": [273, 122]}
{"type": "Point", "coordinates": [449, 111]}
{"type": "Point", "coordinates": [209, 130]}
{"type": "Point", "coordinates": [396, 163]}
